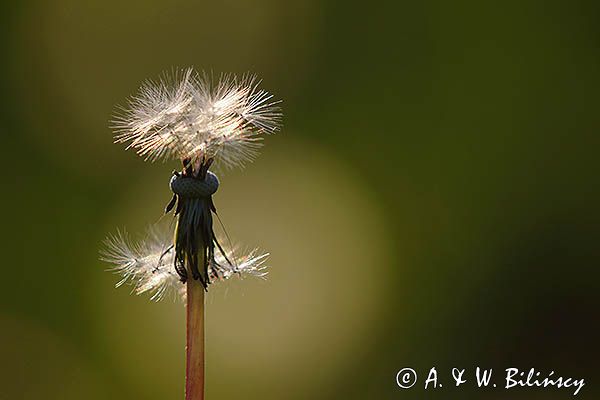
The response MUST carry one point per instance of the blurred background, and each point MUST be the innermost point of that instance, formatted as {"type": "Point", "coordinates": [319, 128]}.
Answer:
{"type": "Point", "coordinates": [431, 201]}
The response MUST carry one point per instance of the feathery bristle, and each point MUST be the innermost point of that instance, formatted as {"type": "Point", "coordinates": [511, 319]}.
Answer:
{"type": "Point", "coordinates": [187, 115]}
{"type": "Point", "coordinates": [149, 265]}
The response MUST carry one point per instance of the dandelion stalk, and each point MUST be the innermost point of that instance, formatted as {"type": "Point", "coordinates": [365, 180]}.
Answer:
{"type": "Point", "coordinates": [194, 353]}
{"type": "Point", "coordinates": [189, 118]}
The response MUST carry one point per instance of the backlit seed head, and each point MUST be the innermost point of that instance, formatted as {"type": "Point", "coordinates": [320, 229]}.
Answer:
{"type": "Point", "coordinates": [187, 115]}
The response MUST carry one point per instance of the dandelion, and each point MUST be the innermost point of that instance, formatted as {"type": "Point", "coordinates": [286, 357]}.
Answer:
{"type": "Point", "coordinates": [200, 122]}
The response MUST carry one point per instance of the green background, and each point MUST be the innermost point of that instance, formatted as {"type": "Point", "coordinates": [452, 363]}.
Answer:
{"type": "Point", "coordinates": [431, 201]}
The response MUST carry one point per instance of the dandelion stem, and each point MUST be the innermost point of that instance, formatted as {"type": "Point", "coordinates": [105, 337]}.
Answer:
{"type": "Point", "coordinates": [194, 371]}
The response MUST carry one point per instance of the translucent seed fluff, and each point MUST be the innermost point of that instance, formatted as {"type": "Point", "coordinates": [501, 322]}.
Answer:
{"type": "Point", "coordinates": [190, 115]}
{"type": "Point", "coordinates": [148, 265]}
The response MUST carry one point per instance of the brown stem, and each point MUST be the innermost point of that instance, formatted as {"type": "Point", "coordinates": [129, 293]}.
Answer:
{"type": "Point", "coordinates": [194, 371]}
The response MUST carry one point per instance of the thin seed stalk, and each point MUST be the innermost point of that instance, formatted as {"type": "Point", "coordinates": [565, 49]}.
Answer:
{"type": "Point", "coordinates": [194, 371]}
{"type": "Point", "coordinates": [194, 351]}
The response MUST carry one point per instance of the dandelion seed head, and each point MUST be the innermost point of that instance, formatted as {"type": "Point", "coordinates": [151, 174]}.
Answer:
{"type": "Point", "coordinates": [187, 115]}
{"type": "Point", "coordinates": [148, 265]}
